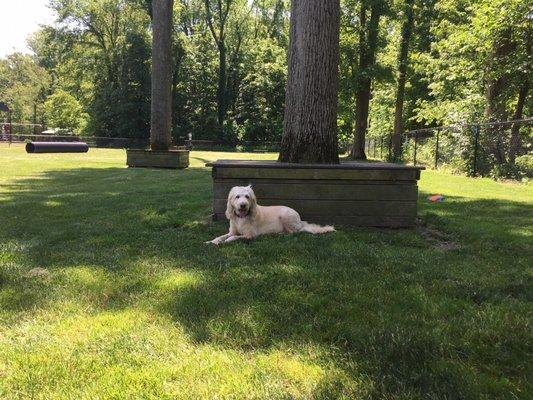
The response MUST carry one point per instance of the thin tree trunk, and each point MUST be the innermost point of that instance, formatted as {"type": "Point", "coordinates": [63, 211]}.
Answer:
{"type": "Point", "coordinates": [495, 111]}
{"type": "Point", "coordinates": [219, 36]}
{"type": "Point", "coordinates": [515, 145]}
{"type": "Point", "coordinates": [403, 57]}
{"type": "Point", "coordinates": [367, 57]}
{"type": "Point", "coordinates": [161, 106]}
{"type": "Point", "coordinates": [221, 90]}
{"type": "Point", "coordinates": [180, 54]}
{"type": "Point", "coordinates": [310, 121]}
{"type": "Point", "coordinates": [495, 107]}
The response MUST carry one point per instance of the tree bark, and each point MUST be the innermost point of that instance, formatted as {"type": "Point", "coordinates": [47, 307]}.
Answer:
{"type": "Point", "coordinates": [161, 106]}
{"type": "Point", "coordinates": [515, 145]}
{"type": "Point", "coordinates": [403, 58]}
{"type": "Point", "coordinates": [310, 120]}
{"type": "Point", "coordinates": [367, 58]}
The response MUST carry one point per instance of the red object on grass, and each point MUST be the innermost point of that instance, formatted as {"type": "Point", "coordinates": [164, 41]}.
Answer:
{"type": "Point", "coordinates": [436, 197]}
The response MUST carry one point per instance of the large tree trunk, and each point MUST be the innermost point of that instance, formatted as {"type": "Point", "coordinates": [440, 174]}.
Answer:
{"type": "Point", "coordinates": [407, 29]}
{"type": "Point", "coordinates": [367, 58]}
{"type": "Point", "coordinates": [515, 144]}
{"type": "Point", "coordinates": [310, 121]}
{"type": "Point", "coordinates": [161, 109]}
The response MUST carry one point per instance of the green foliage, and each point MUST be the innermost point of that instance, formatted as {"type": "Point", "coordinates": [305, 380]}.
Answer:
{"type": "Point", "coordinates": [23, 84]}
{"type": "Point", "coordinates": [259, 108]}
{"type": "Point", "coordinates": [522, 169]}
{"type": "Point", "coordinates": [525, 165]}
{"type": "Point", "coordinates": [63, 111]}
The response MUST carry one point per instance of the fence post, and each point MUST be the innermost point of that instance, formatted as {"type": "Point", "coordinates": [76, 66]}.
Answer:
{"type": "Point", "coordinates": [437, 150]}
{"type": "Point", "coordinates": [381, 148]}
{"type": "Point", "coordinates": [416, 144]}
{"type": "Point", "coordinates": [476, 145]}
{"type": "Point", "coordinates": [10, 127]}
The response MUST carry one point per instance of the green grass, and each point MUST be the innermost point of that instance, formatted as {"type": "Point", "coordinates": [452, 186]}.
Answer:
{"type": "Point", "coordinates": [134, 305]}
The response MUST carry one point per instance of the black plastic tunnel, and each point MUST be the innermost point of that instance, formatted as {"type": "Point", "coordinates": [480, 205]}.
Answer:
{"type": "Point", "coordinates": [57, 147]}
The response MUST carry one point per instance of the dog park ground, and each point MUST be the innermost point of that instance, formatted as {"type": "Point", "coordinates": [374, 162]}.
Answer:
{"type": "Point", "coordinates": [107, 290]}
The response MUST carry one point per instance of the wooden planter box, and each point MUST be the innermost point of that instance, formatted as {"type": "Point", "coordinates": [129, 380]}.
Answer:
{"type": "Point", "coordinates": [346, 194]}
{"type": "Point", "coordinates": [178, 158]}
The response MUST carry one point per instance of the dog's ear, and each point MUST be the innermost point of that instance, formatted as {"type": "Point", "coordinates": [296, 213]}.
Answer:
{"type": "Point", "coordinates": [253, 203]}
{"type": "Point", "coordinates": [229, 205]}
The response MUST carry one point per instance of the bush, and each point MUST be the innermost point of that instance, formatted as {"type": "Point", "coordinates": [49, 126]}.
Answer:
{"type": "Point", "coordinates": [522, 168]}
{"type": "Point", "coordinates": [64, 111]}
{"type": "Point", "coordinates": [525, 165]}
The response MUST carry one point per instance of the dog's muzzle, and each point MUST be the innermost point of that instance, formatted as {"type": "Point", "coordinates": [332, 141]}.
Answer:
{"type": "Point", "coordinates": [241, 213]}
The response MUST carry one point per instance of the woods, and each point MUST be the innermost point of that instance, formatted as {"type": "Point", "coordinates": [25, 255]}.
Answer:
{"type": "Point", "coordinates": [403, 64]}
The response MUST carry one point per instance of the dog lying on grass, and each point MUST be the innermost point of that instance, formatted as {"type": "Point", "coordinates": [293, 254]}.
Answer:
{"type": "Point", "coordinates": [248, 220]}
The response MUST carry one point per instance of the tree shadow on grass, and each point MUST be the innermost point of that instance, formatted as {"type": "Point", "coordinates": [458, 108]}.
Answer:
{"type": "Point", "coordinates": [381, 304]}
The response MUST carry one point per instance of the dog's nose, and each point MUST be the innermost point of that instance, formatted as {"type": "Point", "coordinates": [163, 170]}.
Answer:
{"type": "Point", "coordinates": [242, 206]}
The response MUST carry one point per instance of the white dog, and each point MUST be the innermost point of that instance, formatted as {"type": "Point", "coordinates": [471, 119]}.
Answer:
{"type": "Point", "coordinates": [248, 220]}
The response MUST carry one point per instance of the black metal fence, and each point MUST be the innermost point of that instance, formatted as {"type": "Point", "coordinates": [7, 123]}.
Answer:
{"type": "Point", "coordinates": [464, 147]}
{"type": "Point", "coordinates": [12, 128]}
{"type": "Point", "coordinates": [134, 143]}
{"type": "Point", "coordinates": [461, 147]}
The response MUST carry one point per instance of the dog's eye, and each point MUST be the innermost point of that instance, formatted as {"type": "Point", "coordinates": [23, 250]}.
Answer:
{"type": "Point", "coordinates": [237, 196]}
{"type": "Point", "coordinates": [247, 196]}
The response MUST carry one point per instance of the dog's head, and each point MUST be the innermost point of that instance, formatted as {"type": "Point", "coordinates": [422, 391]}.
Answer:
{"type": "Point", "coordinates": [242, 202]}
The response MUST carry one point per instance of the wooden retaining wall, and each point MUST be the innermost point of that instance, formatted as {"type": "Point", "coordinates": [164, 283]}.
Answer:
{"type": "Point", "coordinates": [138, 158]}
{"type": "Point", "coordinates": [349, 194]}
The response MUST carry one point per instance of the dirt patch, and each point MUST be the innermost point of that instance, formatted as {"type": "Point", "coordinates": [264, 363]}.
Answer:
{"type": "Point", "coordinates": [37, 273]}
{"type": "Point", "coordinates": [436, 238]}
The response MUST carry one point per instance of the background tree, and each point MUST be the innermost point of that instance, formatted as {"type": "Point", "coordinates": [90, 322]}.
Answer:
{"type": "Point", "coordinates": [369, 16]}
{"type": "Point", "coordinates": [407, 30]}
{"type": "Point", "coordinates": [217, 14]}
{"type": "Point", "coordinates": [22, 86]}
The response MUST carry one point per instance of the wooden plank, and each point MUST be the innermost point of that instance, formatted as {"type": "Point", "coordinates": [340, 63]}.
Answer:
{"type": "Point", "coordinates": [343, 165]}
{"type": "Point", "coordinates": [350, 221]}
{"type": "Point", "coordinates": [330, 191]}
{"type": "Point", "coordinates": [318, 173]}
{"type": "Point", "coordinates": [246, 182]}
{"type": "Point", "coordinates": [337, 208]}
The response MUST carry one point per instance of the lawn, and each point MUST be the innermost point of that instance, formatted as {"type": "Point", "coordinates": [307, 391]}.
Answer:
{"type": "Point", "coordinates": [128, 302]}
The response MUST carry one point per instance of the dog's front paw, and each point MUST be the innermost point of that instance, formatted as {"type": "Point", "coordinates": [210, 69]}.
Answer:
{"type": "Point", "coordinates": [215, 242]}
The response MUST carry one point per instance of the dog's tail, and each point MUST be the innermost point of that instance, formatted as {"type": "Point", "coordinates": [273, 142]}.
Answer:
{"type": "Point", "coordinates": [314, 228]}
